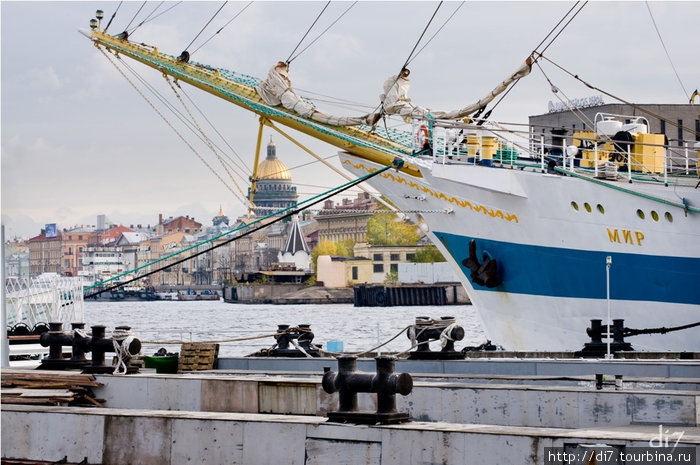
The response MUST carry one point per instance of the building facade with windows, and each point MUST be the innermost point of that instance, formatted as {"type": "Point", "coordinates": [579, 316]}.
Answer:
{"type": "Point", "coordinates": [45, 254]}
{"type": "Point", "coordinates": [346, 220]}
{"type": "Point", "coordinates": [680, 123]}
{"type": "Point", "coordinates": [385, 258]}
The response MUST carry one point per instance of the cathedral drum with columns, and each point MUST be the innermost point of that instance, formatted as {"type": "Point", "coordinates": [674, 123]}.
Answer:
{"type": "Point", "coordinates": [274, 190]}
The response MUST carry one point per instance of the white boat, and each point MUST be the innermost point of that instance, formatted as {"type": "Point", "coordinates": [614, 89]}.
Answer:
{"type": "Point", "coordinates": [529, 238]}
{"type": "Point", "coordinates": [548, 234]}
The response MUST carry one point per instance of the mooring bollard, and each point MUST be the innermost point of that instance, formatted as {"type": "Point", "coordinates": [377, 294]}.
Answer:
{"type": "Point", "coordinates": [348, 382]}
{"type": "Point", "coordinates": [426, 329]}
{"type": "Point", "coordinates": [124, 346]}
{"type": "Point", "coordinates": [294, 342]}
{"type": "Point", "coordinates": [55, 339]}
{"type": "Point", "coordinates": [597, 332]}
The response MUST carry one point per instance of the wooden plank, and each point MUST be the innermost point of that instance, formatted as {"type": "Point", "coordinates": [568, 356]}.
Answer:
{"type": "Point", "coordinates": [38, 392]}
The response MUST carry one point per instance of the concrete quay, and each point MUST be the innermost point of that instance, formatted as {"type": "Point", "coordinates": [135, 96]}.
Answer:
{"type": "Point", "coordinates": [431, 401]}
{"type": "Point", "coordinates": [128, 436]}
{"type": "Point", "coordinates": [262, 417]}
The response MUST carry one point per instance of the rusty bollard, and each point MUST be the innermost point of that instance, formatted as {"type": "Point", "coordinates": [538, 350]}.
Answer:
{"type": "Point", "coordinates": [385, 383]}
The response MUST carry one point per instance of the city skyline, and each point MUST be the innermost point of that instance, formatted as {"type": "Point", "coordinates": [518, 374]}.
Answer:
{"type": "Point", "coordinates": [78, 141]}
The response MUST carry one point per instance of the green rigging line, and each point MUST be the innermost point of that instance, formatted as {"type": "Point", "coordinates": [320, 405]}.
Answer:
{"type": "Point", "coordinates": [284, 213]}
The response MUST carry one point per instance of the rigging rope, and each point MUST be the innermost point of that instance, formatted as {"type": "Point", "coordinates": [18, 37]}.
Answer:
{"type": "Point", "coordinates": [156, 16]}
{"type": "Point", "coordinates": [131, 33]}
{"type": "Point", "coordinates": [208, 141]}
{"type": "Point", "coordinates": [556, 26]}
{"type": "Point", "coordinates": [307, 32]}
{"type": "Point", "coordinates": [493, 107]}
{"type": "Point", "coordinates": [289, 60]}
{"type": "Point", "coordinates": [665, 50]}
{"type": "Point", "coordinates": [242, 167]}
{"type": "Point", "coordinates": [168, 123]}
{"type": "Point", "coordinates": [410, 55]}
{"type": "Point", "coordinates": [208, 22]}
{"type": "Point", "coordinates": [436, 32]}
{"type": "Point", "coordinates": [137, 13]}
{"type": "Point", "coordinates": [620, 99]}
{"type": "Point", "coordinates": [284, 213]}
{"type": "Point", "coordinates": [222, 27]}
{"type": "Point", "coordinates": [565, 26]}
{"type": "Point", "coordinates": [113, 15]}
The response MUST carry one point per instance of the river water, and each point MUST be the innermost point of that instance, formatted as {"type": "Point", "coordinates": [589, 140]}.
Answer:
{"type": "Point", "coordinates": [359, 328]}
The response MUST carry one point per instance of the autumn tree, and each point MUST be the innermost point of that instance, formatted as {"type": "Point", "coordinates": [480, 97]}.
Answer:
{"type": "Point", "coordinates": [342, 248]}
{"type": "Point", "coordinates": [383, 229]}
{"type": "Point", "coordinates": [428, 254]}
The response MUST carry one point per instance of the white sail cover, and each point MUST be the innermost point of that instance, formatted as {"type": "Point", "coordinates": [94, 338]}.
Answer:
{"type": "Point", "coordinates": [395, 98]}
{"type": "Point", "coordinates": [277, 90]}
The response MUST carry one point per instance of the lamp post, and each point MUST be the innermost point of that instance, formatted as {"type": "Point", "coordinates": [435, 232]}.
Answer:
{"type": "Point", "coordinates": [608, 264]}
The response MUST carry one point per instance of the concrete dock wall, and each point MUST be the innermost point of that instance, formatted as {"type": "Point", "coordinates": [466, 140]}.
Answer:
{"type": "Point", "coordinates": [497, 404]}
{"type": "Point", "coordinates": [145, 437]}
{"type": "Point", "coordinates": [484, 366]}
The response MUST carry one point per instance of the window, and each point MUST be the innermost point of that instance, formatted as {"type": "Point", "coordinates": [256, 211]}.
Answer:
{"type": "Point", "coordinates": [662, 126]}
{"type": "Point", "coordinates": [80, 238]}
{"type": "Point", "coordinates": [697, 129]}
{"type": "Point", "coordinates": [378, 268]}
{"type": "Point", "coordinates": [354, 272]}
{"type": "Point", "coordinates": [379, 257]}
{"type": "Point", "coordinates": [394, 267]}
{"type": "Point", "coordinates": [410, 257]}
{"type": "Point", "coordinates": [680, 132]}
{"type": "Point", "coordinates": [395, 257]}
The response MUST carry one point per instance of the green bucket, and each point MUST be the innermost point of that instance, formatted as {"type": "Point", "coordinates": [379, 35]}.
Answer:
{"type": "Point", "coordinates": [162, 364]}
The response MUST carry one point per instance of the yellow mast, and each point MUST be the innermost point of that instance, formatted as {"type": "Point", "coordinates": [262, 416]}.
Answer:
{"type": "Point", "coordinates": [254, 177]}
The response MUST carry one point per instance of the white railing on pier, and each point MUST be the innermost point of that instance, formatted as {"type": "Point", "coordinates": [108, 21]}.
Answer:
{"type": "Point", "coordinates": [44, 299]}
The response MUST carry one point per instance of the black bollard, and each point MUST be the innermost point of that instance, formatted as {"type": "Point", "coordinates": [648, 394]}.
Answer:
{"type": "Point", "coordinates": [288, 339]}
{"type": "Point", "coordinates": [426, 329]}
{"type": "Point", "coordinates": [597, 332]}
{"type": "Point", "coordinates": [348, 382]}
{"type": "Point", "coordinates": [55, 339]}
{"type": "Point", "coordinates": [101, 345]}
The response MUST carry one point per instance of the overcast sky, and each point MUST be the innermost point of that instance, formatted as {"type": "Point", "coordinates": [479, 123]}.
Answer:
{"type": "Point", "coordinates": [79, 141]}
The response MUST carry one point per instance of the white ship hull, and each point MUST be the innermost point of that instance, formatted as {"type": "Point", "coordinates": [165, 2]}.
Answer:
{"type": "Point", "coordinates": [550, 236]}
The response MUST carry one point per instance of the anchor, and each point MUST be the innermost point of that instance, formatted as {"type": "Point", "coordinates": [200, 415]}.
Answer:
{"type": "Point", "coordinates": [483, 274]}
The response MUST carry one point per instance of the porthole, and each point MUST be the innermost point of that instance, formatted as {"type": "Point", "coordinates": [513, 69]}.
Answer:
{"type": "Point", "coordinates": [600, 208]}
{"type": "Point", "coordinates": [587, 206]}
{"type": "Point", "coordinates": [574, 205]}
{"type": "Point", "coordinates": [669, 217]}
{"type": "Point", "coordinates": [654, 215]}
{"type": "Point", "coordinates": [640, 214]}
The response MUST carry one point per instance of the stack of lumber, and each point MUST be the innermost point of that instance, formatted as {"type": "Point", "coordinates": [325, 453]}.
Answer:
{"type": "Point", "coordinates": [49, 388]}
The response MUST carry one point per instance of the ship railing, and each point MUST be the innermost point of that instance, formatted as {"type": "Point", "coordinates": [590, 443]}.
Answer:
{"type": "Point", "coordinates": [459, 143]}
{"type": "Point", "coordinates": [634, 160]}
{"type": "Point", "coordinates": [43, 300]}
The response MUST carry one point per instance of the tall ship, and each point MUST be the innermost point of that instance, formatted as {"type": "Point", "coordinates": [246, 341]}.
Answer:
{"type": "Point", "coordinates": [545, 237]}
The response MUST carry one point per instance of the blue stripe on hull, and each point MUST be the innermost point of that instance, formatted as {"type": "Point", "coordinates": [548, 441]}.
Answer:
{"type": "Point", "coordinates": [558, 272]}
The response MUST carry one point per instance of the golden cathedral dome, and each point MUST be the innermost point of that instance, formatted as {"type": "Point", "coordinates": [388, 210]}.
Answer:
{"type": "Point", "coordinates": [272, 167]}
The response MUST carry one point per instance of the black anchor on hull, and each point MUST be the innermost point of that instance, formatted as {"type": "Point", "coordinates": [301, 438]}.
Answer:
{"type": "Point", "coordinates": [483, 274]}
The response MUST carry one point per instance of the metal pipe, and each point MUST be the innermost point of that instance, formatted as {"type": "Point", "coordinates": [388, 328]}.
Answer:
{"type": "Point", "coordinates": [5, 341]}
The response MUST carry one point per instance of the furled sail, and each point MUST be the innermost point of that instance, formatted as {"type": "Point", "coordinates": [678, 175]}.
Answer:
{"type": "Point", "coordinates": [395, 100]}
{"type": "Point", "coordinates": [277, 90]}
